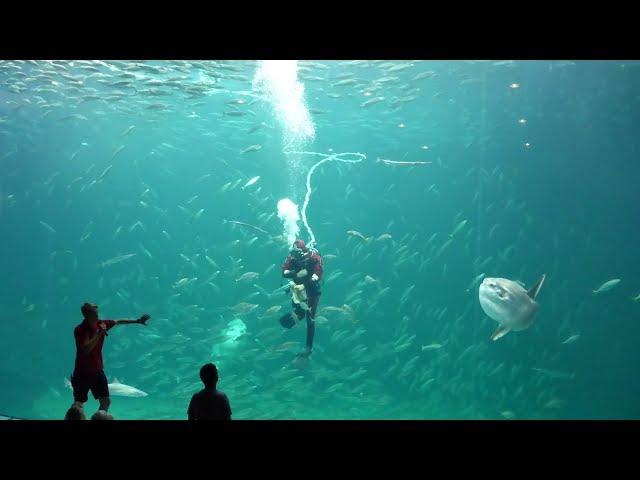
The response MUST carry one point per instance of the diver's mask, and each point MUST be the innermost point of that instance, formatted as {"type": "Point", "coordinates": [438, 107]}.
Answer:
{"type": "Point", "coordinates": [298, 254]}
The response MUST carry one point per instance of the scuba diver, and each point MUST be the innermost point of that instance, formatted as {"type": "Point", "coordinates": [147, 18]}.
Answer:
{"type": "Point", "coordinates": [303, 267]}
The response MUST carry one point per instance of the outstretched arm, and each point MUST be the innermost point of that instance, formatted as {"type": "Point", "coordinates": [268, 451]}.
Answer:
{"type": "Point", "coordinates": [143, 320]}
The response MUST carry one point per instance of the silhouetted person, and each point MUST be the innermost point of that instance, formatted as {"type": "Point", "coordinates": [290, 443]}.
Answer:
{"type": "Point", "coordinates": [209, 403]}
{"type": "Point", "coordinates": [76, 412]}
{"type": "Point", "coordinates": [88, 373]}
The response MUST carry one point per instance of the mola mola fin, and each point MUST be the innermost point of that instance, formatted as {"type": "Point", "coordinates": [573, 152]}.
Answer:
{"type": "Point", "coordinates": [500, 332]}
{"type": "Point", "coordinates": [533, 291]}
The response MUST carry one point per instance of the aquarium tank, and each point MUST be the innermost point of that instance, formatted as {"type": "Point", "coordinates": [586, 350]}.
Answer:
{"type": "Point", "coordinates": [474, 226]}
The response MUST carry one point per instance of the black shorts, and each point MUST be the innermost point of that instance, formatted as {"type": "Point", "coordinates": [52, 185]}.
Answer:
{"type": "Point", "coordinates": [96, 382]}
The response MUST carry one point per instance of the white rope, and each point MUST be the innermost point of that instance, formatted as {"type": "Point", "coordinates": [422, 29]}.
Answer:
{"type": "Point", "coordinates": [327, 158]}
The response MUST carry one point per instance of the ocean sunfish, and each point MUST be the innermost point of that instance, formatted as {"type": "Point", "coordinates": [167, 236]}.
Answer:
{"type": "Point", "coordinates": [509, 304]}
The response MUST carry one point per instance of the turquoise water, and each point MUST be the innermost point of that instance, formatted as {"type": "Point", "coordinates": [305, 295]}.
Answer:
{"type": "Point", "coordinates": [104, 159]}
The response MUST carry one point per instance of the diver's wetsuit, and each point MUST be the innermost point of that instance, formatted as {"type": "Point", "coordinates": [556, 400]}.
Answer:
{"type": "Point", "coordinates": [313, 264]}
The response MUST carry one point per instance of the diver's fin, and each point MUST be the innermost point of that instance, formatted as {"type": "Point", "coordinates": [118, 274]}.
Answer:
{"type": "Point", "coordinates": [533, 291]}
{"type": "Point", "coordinates": [500, 332]}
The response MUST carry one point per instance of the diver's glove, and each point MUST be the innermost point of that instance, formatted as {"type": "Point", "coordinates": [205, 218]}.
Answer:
{"type": "Point", "coordinates": [286, 273]}
{"type": "Point", "coordinates": [314, 278]}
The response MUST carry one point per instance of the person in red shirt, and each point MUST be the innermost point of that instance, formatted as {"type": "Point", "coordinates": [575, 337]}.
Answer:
{"type": "Point", "coordinates": [303, 266]}
{"type": "Point", "coordinates": [88, 373]}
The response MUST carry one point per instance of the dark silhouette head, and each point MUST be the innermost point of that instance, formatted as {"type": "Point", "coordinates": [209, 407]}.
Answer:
{"type": "Point", "coordinates": [209, 375]}
{"type": "Point", "coordinates": [75, 413]}
{"type": "Point", "coordinates": [89, 311]}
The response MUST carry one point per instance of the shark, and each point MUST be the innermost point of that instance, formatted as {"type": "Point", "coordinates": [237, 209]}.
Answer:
{"type": "Point", "coordinates": [117, 389]}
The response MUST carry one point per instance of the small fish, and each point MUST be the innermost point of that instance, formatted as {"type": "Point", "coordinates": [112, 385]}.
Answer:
{"type": "Point", "coordinates": [369, 280]}
{"type": "Point", "coordinates": [211, 261]}
{"type": "Point", "coordinates": [286, 346]}
{"type": "Point", "coordinates": [251, 182]}
{"type": "Point", "coordinates": [554, 403]}
{"type": "Point", "coordinates": [235, 113]}
{"type": "Point", "coordinates": [47, 226]}
{"type": "Point", "coordinates": [146, 252]}
{"type": "Point", "coordinates": [555, 374]}
{"type": "Point", "coordinates": [105, 172]}
{"type": "Point", "coordinates": [399, 67]}
{"type": "Point", "coordinates": [355, 233]}
{"type": "Point", "coordinates": [127, 131]}
{"type": "Point", "coordinates": [606, 286]}
{"type": "Point", "coordinates": [459, 227]}
{"type": "Point", "coordinates": [247, 276]}
{"type": "Point", "coordinates": [571, 339]}
{"type": "Point", "coordinates": [398, 162]}
{"type": "Point", "coordinates": [636, 298]}
{"type": "Point", "coordinates": [252, 148]}
{"type": "Point", "coordinates": [383, 237]}
{"type": "Point", "coordinates": [203, 177]}
{"type": "Point", "coordinates": [136, 225]}
{"type": "Point", "coordinates": [342, 83]}
{"type": "Point", "coordinates": [118, 259]}
{"type": "Point", "coordinates": [432, 346]}
{"type": "Point", "coordinates": [246, 225]}
{"type": "Point", "coordinates": [243, 308]}
{"type": "Point", "coordinates": [372, 101]}
{"type": "Point", "coordinates": [117, 151]}
{"type": "Point", "coordinates": [255, 128]}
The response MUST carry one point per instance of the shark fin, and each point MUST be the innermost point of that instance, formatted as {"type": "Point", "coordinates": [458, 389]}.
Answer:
{"type": "Point", "coordinates": [115, 380]}
{"type": "Point", "coordinates": [533, 291]}
{"type": "Point", "coordinates": [500, 332]}
{"type": "Point", "coordinates": [67, 383]}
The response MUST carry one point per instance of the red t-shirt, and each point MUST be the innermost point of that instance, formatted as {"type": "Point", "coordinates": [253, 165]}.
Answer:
{"type": "Point", "coordinates": [89, 363]}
